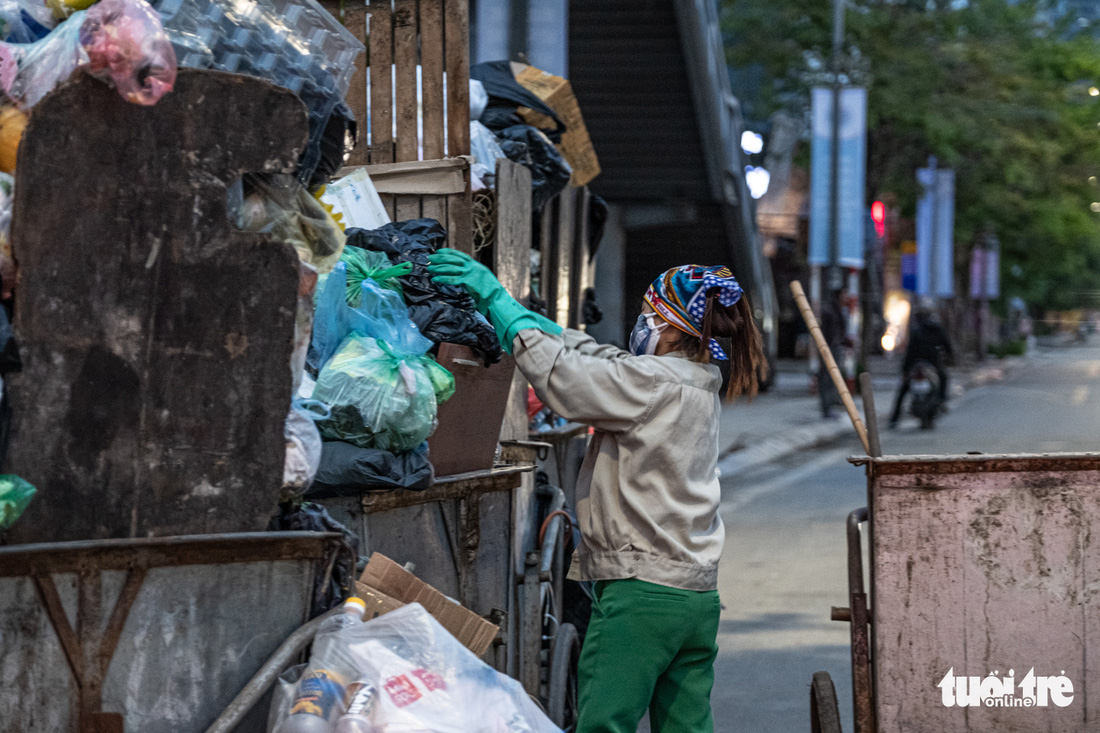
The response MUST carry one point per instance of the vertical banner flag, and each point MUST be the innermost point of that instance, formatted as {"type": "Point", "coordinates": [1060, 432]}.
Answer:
{"type": "Point", "coordinates": [936, 232]}
{"type": "Point", "coordinates": [985, 273]}
{"type": "Point", "coordinates": [851, 176]}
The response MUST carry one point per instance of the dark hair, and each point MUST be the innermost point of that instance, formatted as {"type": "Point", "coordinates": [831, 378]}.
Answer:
{"type": "Point", "coordinates": [747, 363]}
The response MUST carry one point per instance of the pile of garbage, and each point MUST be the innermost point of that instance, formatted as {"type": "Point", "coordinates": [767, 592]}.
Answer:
{"type": "Point", "coordinates": [401, 671]}
{"type": "Point", "coordinates": [378, 322]}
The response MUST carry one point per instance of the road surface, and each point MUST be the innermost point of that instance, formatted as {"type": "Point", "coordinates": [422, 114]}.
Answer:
{"type": "Point", "coordinates": [785, 560]}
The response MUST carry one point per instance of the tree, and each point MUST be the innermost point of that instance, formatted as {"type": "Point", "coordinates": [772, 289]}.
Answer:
{"type": "Point", "coordinates": [987, 87]}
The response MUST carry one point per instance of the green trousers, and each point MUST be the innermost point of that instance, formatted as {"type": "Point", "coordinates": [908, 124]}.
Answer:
{"type": "Point", "coordinates": [648, 647]}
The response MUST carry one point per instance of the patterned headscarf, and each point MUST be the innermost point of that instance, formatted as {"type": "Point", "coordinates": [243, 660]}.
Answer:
{"type": "Point", "coordinates": [680, 297]}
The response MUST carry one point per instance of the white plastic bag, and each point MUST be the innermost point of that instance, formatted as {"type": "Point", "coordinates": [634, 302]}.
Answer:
{"type": "Point", "coordinates": [479, 99]}
{"type": "Point", "coordinates": [303, 446]}
{"type": "Point", "coordinates": [427, 682]}
{"type": "Point", "coordinates": [486, 151]}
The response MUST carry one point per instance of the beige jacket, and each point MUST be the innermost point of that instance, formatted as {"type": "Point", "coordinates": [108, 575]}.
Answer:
{"type": "Point", "coordinates": [647, 494]}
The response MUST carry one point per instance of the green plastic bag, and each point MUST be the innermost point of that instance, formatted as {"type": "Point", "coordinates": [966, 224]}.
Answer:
{"type": "Point", "coordinates": [380, 398]}
{"type": "Point", "coordinates": [15, 495]}
{"type": "Point", "coordinates": [362, 264]}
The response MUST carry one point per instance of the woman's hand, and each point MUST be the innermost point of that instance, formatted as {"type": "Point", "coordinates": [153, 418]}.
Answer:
{"type": "Point", "coordinates": [451, 267]}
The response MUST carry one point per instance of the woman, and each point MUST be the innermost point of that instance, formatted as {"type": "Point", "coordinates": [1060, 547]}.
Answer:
{"type": "Point", "coordinates": [647, 494]}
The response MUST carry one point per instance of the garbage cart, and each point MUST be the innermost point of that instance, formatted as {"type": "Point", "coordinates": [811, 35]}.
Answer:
{"type": "Point", "coordinates": [983, 603]}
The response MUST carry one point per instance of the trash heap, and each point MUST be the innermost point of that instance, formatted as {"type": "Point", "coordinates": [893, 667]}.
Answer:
{"type": "Point", "coordinates": [379, 320]}
{"type": "Point", "coordinates": [531, 117]}
{"type": "Point", "coordinates": [401, 671]}
{"type": "Point", "coordinates": [369, 320]}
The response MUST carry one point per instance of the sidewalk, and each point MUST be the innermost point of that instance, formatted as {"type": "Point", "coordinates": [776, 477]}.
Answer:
{"type": "Point", "coordinates": [787, 419]}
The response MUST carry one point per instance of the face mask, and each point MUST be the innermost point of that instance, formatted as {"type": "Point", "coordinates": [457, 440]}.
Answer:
{"type": "Point", "coordinates": [646, 334]}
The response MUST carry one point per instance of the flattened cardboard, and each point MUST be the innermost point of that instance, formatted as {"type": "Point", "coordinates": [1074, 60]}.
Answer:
{"type": "Point", "coordinates": [376, 601]}
{"type": "Point", "coordinates": [389, 579]}
{"type": "Point", "coordinates": [576, 146]}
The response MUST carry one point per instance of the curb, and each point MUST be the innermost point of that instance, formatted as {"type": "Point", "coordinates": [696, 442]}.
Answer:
{"type": "Point", "coordinates": [770, 450]}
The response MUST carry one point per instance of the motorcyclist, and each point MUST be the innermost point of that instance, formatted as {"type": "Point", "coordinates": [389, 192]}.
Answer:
{"type": "Point", "coordinates": [928, 342]}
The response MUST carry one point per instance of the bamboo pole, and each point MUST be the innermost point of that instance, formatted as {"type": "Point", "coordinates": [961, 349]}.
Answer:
{"type": "Point", "coordinates": [830, 363]}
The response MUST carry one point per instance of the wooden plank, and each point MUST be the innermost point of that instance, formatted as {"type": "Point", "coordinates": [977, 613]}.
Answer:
{"type": "Point", "coordinates": [380, 26]}
{"type": "Point", "coordinates": [548, 222]}
{"type": "Point", "coordinates": [512, 264]}
{"type": "Point", "coordinates": [405, 59]}
{"type": "Point", "coordinates": [434, 207]}
{"type": "Point", "coordinates": [460, 228]}
{"type": "Point", "coordinates": [155, 400]}
{"type": "Point", "coordinates": [578, 279]}
{"type": "Point", "coordinates": [388, 202]}
{"type": "Point", "coordinates": [457, 37]}
{"type": "Point", "coordinates": [512, 255]}
{"type": "Point", "coordinates": [355, 19]}
{"type": "Point", "coordinates": [408, 207]}
{"type": "Point", "coordinates": [563, 249]}
{"type": "Point", "coordinates": [431, 74]}
{"type": "Point", "coordinates": [459, 486]}
{"type": "Point", "coordinates": [376, 171]}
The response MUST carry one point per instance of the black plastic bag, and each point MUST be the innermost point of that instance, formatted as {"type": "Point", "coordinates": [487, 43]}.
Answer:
{"type": "Point", "coordinates": [309, 517]}
{"type": "Point", "coordinates": [550, 173]}
{"type": "Point", "coordinates": [9, 349]}
{"type": "Point", "coordinates": [334, 146]}
{"type": "Point", "coordinates": [505, 92]}
{"type": "Point", "coordinates": [597, 220]}
{"type": "Point", "coordinates": [443, 313]}
{"type": "Point", "coordinates": [348, 467]}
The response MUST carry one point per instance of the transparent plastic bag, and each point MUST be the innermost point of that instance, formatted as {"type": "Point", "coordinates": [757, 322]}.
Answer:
{"type": "Point", "coordinates": [331, 317]}
{"type": "Point", "coordinates": [30, 71]}
{"type": "Point", "coordinates": [120, 41]}
{"type": "Point", "coordinates": [15, 495]}
{"type": "Point", "coordinates": [279, 205]}
{"type": "Point", "coordinates": [319, 689]}
{"type": "Point", "coordinates": [385, 316]}
{"type": "Point", "coordinates": [127, 45]}
{"type": "Point", "coordinates": [379, 398]}
{"type": "Point", "coordinates": [303, 446]}
{"type": "Point", "coordinates": [303, 324]}
{"type": "Point", "coordinates": [427, 681]}
{"type": "Point", "coordinates": [486, 151]}
{"type": "Point", "coordinates": [296, 44]}
{"type": "Point", "coordinates": [282, 696]}
{"type": "Point", "coordinates": [25, 21]}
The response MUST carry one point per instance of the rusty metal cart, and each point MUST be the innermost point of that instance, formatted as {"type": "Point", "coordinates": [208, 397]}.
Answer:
{"type": "Point", "coordinates": [163, 630]}
{"type": "Point", "coordinates": [983, 570]}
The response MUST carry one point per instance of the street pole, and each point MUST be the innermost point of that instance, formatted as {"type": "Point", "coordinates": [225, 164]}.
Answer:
{"type": "Point", "coordinates": [835, 275]}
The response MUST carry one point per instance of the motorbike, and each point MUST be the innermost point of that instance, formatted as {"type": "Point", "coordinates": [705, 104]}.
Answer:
{"type": "Point", "coordinates": [924, 386]}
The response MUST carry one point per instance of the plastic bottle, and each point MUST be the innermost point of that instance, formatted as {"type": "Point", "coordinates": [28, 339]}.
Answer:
{"type": "Point", "coordinates": [319, 699]}
{"type": "Point", "coordinates": [360, 700]}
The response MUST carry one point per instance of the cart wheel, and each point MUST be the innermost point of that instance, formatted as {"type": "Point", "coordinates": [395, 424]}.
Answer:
{"type": "Point", "coordinates": [824, 713]}
{"type": "Point", "coordinates": [561, 700]}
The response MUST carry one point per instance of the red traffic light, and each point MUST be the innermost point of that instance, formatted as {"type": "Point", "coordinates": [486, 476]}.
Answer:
{"type": "Point", "coordinates": [878, 216]}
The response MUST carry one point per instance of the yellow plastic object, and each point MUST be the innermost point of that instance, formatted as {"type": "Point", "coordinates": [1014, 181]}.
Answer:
{"type": "Point", "coordinates": [12, 124]}
{"type": "Point", "coordinates": [338, 218]}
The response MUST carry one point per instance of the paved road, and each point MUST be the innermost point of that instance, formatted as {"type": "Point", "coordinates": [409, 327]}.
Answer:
{"type": "Point", "coordinates": [785, 559]}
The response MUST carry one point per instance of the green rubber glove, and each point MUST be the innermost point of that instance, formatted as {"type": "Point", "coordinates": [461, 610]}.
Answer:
{"type": "Point", "coordinates": [451, 267]}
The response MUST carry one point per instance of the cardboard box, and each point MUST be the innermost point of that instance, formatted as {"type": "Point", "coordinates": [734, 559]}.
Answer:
{"type": "Point", "coordinates": [469, 423]}
{"type": "Point", "coordinates": [575, 146]}
{"type": "Point", "coordinates": [387, 586]}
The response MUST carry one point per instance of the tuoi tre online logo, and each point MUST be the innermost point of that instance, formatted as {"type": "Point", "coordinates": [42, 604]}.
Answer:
{"type": "Point", "coordinates": [995, 692]}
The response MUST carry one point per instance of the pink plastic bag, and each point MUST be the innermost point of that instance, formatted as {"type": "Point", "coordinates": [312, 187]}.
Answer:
{"type": "Point", "coordinates": [126, 43]}
{"type": "Point", "coordinates": [118, 41]}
